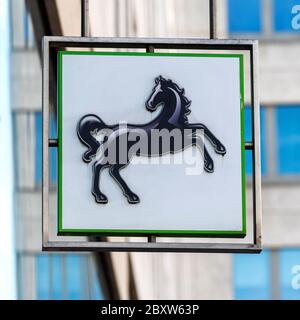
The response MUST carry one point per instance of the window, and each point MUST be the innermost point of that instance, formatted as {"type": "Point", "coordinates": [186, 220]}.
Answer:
{"type": "Point", "coordinates": [280, 141]}
{"type": "Point", "coordinates": [288, 139]}
{"type": "Point", "coordinates": [248, 137]}
{"type": "Point", "coordinates": [282, 13]}
{"type": "Point", "coordinates": [22, 34]}
{"type": "Point", "coordinates": [261, 18]}
{"type": "Point", "coordinates": [289, 271]}
{"type": "Point", "coordinates": [273, 274]}
{"type": "Point", "coordinates": [244, 16]}
{"type": "Point", "coordinates": [66, 276]}
{"type": "Point", "coordinates": [252, 278]}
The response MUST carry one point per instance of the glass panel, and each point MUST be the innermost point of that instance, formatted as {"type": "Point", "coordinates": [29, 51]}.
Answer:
{"type": "Point", "coordinates": [73, 277]}
{"type": "Point", "coordinates": [252, 276]}
{"type": "Point", "coordinates": [53, 160]}
{"type": "Point", "coordinates": [97, 293]}
{"type": "Point", "coordinates": [38, 148]}
{"type": "Point", "coordinates": [67, 276]}
{"type": "Point", "coordinates": [283, 15]}
{"type": "Point", "coordinates": [288, 137]}
{"type": "Point", "coordinates": [289, 268]}
{"type": "Point", "coordinates": [26, 27]}
{"type": "Point", "coordinates": [42, 277]}
{"type": "Point", "coordinates": [244, 16]}
{"type": "Point", "coordinates": [56, 265]}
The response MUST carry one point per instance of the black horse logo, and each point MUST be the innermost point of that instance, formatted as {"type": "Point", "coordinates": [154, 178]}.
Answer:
{"type": "Point", "coordinates": [175, 109]}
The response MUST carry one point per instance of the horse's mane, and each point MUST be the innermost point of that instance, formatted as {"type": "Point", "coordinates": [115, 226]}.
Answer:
{"type": "Point", "coordinates": [186, 103]}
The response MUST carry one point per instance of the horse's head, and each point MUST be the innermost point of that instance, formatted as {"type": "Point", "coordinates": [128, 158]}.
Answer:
{"type": "Point", "coordinates": [171, 95]}
{"type": "Point", "coordinates": [158, 94]}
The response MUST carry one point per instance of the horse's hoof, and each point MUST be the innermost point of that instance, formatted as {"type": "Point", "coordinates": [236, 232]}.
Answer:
{"type": "Point", "coordinates": [132, 198]}
{"type": "Point", "coordinates": [102, 198]}
{"type": "Point", "coordinates": [209, 167]}
{"type": "Point", "coordinates": [220, 149]}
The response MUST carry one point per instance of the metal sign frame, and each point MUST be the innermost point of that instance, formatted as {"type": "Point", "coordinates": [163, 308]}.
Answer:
{"type": "Point", "coordinates": [149, 45]}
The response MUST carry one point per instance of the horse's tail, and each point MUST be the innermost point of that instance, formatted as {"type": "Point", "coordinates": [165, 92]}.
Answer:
{"type": "Point", "coordinates": [85, 128]}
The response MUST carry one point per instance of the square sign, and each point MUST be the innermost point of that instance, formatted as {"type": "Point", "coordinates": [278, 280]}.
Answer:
{"type": "Point", "coordinates": [121, 168]}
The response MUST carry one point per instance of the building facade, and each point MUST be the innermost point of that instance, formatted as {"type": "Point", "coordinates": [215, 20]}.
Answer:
{"type": "Point", "coordinates": [165, 275]}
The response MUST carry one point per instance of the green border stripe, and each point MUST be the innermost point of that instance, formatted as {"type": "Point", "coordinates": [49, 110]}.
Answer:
{"type": "Point", "coordinates": [127, 232]}
{"type": "Point", "coordinates": [60, 155]}
{"type": "Point", "coordinates": [243, 171]}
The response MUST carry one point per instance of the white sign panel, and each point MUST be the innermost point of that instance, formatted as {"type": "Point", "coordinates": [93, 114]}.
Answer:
{"type": "Point", "coordinates": [122, 170]}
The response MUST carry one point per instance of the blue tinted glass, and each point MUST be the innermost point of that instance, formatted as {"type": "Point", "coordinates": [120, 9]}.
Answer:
{"type": "Point", "coordinates": [248, 137]}
{"type": "Point", "coordinates": [66, 277]}
{"type": "Point", "coordinates": [252, 276]}
{"type": "Point", "coordinates": [38, 152]}
{"type": "Point", "coordinates": [26, 27]}
{"type": "Point", "coordinates": [97, 292]}
{"type": "Point", "coordinates": [289, 267]}
{"type": "Point", "coordinates": [42, 277]}
{"type": "Point", "coordinates": [244, 16]}
{"type": "Point", "coordinates": [283, 15]}
{"type": "Point", "coordinates": [74, 277]}
{"type": "Point", "coordinates": [56, 265]}
{"type": "Point", "coordinates": [38, 148]}
{"type": "Point", "coordinates": [53, 152]}
{"type": "Point", "coordinates": [288, 137]}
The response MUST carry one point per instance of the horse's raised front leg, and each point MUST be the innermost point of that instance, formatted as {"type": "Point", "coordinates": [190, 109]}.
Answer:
{"type": "Point", "coordinates": [99, 196]}
{"type": "Point", "coordinates": [114, 171]}
{"type": "Point", "coordinates": [216, 143]}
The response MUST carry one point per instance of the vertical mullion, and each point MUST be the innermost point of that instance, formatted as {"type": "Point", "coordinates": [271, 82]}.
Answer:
{"type": "Point", "coordinates": [83, 291]}
{"type": "Point", "coordinates": [275, 275]}
{"type": "Point", "coordinates": [89, 282]}
{"type": "Point", "coordinates": [20, 284]}
{"type": "Point", "coordinates": [116, 17]}
{"type": "Point", "coordinates": [212, 19]}
{"type": "Point", "coordinates": [267, 15]}
{"type": "Point", "coordinates": [270, 141]}
{"type": "Point", "coordinates": [64, 277]}
{"type": "Point", "coordinates": [84, 18]}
